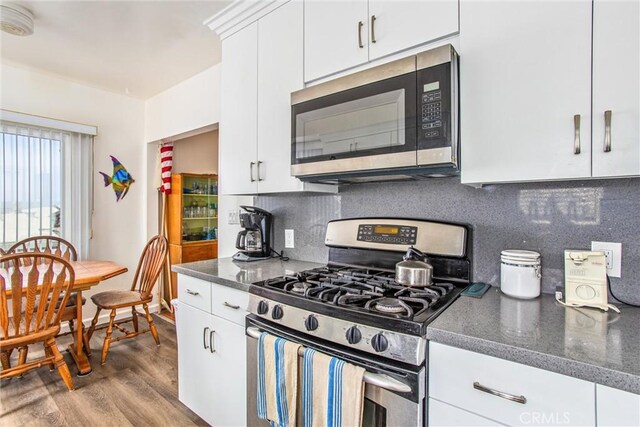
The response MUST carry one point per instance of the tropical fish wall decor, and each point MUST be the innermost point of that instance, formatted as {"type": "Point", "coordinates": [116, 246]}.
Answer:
{"type": "Point", "coordinates": [120, 180]}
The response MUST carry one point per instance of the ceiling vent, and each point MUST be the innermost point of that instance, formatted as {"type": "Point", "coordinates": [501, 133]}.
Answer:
{"type": "Point", "coordinates": [16, 19]}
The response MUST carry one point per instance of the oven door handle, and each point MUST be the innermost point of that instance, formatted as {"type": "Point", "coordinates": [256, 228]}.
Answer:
{"type": "Point", "coordinates": [378, 380]}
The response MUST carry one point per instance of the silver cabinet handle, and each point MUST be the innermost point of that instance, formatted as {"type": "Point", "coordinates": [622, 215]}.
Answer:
{"type": "Point", "coordinates": [211, 348]}
{"type": "Point", "coordinates": [251, 171]}
{"type": "Point", "coordinates": [235, 307]}
{"type": "Point", "coordinates": [512, 397]}
{"type": "Point", "coordinates": [204, 338]}
{"type": "Point", "coordinates": [373, 33]}
{"type": "Point", "coordinates": [259, 175]}
{"type": "Point", "coordinates": [576, 134]}
{"type": "Point", "coordinates": [190, 292]}
{"type": "Point", "coordinates": [607, 131]}
{"type": "Point", "coordinates": [360, 24]}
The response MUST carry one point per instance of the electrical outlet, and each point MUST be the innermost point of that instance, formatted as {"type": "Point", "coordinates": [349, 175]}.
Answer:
{"type": "Point", "coordinates": [234, 217]}
{"type": "Point", "coordinates": [288, 238]}
{"type": "Point", "coordinates": [613, 253]}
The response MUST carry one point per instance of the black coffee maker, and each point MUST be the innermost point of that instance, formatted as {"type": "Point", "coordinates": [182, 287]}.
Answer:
{"type": "Point", "coordinates": [254, 242]}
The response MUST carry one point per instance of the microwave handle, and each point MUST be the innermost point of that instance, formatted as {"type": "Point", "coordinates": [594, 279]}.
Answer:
{"type": "Point", "coordinates": [378, 380]}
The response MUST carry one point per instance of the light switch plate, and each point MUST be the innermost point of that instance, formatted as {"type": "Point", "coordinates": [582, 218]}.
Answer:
{"type": "Point", "coordinates": [234, 217]}
{"type": "Point", "coordinates": [613, 251]}
{"type": "Point", "coordinates": [288, 238]}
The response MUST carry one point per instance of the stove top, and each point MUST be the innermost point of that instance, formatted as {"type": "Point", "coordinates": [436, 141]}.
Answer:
{"type": "Point", "coordinates": [364, 290]}
{"type": "Point", "coordinates": [355, 301]}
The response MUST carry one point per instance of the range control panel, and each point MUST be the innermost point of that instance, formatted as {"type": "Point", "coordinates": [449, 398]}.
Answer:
{"type": "Point", "coordinates": [388, 233]}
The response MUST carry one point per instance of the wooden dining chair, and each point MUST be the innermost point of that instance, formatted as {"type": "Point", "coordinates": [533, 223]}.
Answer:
{"type": "Point", "coordinates": [146, 276]}
{"type": "Point", "coordinates": [60, 247]}
{"type": "Point", "coordinates": [36, 282]}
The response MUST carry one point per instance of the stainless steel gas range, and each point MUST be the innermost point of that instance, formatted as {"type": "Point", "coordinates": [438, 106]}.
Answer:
{"type": "Point", "coordinates": [353, 309]}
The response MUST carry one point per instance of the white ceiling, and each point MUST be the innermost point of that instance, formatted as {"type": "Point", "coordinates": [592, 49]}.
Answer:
{"type": "Point", "coordinates": [134, 47]}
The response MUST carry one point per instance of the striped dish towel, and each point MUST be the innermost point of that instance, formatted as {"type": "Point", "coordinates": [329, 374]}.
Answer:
{"type": "Point", "coordinates": [277, 380]}
{"type": "Point", "coordinates": [332, 391]}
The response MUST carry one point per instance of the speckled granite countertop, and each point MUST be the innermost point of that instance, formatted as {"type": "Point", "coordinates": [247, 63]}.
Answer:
{"type": "Point", "coordinates": [240, 275]}
{"type": "Point", "coordinates": [583, 343]}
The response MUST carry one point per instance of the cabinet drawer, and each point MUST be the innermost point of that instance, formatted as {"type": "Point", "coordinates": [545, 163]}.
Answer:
{"type": "Point", "coordinates": [547, 397]}
{"type": "Point", "coordinates": [195, 292]}
{"type": "Point", "coordinates": [229, 303]}
{"type": "Point", "coordinates": [442, 414]}
{"type": "Point", "coordinates": [199, 251]}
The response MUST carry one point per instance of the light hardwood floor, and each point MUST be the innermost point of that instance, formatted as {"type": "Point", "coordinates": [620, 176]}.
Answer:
{"type": "Point", "coordinates": [138, 386]}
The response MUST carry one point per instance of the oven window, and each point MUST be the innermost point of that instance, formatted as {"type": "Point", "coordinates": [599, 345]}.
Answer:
{"type": "Point", "coordinates": [373, 415]}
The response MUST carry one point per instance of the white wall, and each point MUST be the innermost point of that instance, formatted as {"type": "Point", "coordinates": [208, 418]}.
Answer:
{"type": "Point", "coordinates": [191, 104]}
{"type": "Point", "coordinates": [119, 229]}
{"type": "Point", "coordinates": [182, 109]}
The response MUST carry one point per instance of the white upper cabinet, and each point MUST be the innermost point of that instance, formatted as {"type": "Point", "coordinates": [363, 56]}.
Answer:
{"type": "Point", "coordinates": [335, 36]}
{"type": "Point", "coordinates": [525, 71]}
{"type": "Point", "coordinates": [616, 88]}
{"type": "Point", "coordinates": [339, 35]}
{"type": "Point", "coordinates": [239, 108]}
{"type": "Point", "coordinates": [262, 64]}
{"type": "Point", "coordinates": [280, 62]}
{"type": "Point", "coordinates": [399, 25]}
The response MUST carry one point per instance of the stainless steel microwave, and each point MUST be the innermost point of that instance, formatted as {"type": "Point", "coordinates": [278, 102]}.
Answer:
{"type": "Point", "coordinates": [395, 121]}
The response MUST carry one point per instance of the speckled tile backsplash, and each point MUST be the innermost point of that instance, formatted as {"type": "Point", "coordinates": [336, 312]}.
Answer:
{"type": "Point", "coordinates": [544, 217]}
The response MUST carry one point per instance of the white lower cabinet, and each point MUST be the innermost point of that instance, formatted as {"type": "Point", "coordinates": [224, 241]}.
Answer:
{"type": "Point", "coordinates": [442, 414]}
{"type": "Point", "coordinates": [617, 407]}
{"type": "Point", "coordinates": [508, 392]}
{"type": "Point", "coordinates": [211, 365]}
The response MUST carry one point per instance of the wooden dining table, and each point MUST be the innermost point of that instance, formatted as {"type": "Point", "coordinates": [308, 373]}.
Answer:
{"type": "Point", "coordinates": [88, 273]}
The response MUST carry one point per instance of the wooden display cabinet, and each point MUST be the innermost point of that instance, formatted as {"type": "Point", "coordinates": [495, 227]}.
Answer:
{"type": "Point", "coordinates": [192, 219]}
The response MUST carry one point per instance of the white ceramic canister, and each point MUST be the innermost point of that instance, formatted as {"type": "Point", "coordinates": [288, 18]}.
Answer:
{"type": "Point", "coordinates": [520, 273]}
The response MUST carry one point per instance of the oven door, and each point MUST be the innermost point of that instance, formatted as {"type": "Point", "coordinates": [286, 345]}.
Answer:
{"type": "Point", "coordinates": [383, 405]}
{"type": "Point", "coordinates": [368, 127]}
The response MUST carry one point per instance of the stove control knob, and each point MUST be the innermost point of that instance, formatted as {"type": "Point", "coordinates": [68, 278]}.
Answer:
{"type": "Point", "coordinates": [353, 335]}
{"type": "Point", "coordinates": [311, 323]}
{"type": "Point", "coordinates": [277, 312]}
{"type": "Point", "coordinates": [379, 342]}
{"type": "Point", "coordinates": [263, 307]}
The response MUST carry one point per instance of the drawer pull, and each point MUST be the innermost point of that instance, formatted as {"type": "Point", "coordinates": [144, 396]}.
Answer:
{"type": "Point", "coordinates": [235, 307]}
{"type": "Point", "coordinates": [190, 292]}
{"type": "Point", "coordinates": [512, 397]}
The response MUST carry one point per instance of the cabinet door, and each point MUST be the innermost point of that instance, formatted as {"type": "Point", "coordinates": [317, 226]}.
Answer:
{"type": "Point", "coordinates": [399, 25]}
{"type": "Point", "coordinates": [238, 126]}
{"type": "Point", "coordinates": [228, 402]}
{"type": "Point", "coordinates": [525, 71]}
{"type": "Point", "coordinates": [441, 414]}
{"type": "Point", "coordinates": [196, 384]}
{"type": "Point", "coordinates": [280, 63]}
{"type": "Point", "coordinates": [617, 407]}
{"type": "Point", "coordinates": [335, 36]}
{"type": "Point", "coordinates": [616, 87]}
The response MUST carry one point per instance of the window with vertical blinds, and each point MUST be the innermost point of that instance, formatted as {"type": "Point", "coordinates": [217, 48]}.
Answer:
{"type": "Point", "coordinates": [46, 184]}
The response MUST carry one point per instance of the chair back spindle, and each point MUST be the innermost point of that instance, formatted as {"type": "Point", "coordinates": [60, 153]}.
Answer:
{"type": "Point", "coordinates": [37, 282]}
{"type": "Point", "coordinates": [149, 266]}
{"type": "Point", "coordinates": [52, 245]}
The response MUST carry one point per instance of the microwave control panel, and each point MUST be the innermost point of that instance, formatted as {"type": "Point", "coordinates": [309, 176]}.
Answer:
{"type": "Point", "coordinates": [434, 106]}
{"type": "Point", "coordinates": [387, 233]}
{"type": "Point", "coordinates": [432, 110]}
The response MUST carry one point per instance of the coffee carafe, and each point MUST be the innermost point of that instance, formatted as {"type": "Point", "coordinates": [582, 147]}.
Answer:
{"type": "Point", "coordinates": [254, 241]}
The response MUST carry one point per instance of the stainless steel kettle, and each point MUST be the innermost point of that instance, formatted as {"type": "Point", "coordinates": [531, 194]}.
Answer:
{"type": "Point", "coordinates": [414, 269]}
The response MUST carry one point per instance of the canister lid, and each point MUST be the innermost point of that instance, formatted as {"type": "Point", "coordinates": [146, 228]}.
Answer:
{"type": "Point", "coordinates": [520, 256]}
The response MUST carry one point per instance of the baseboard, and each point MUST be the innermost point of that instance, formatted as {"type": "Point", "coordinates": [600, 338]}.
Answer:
{"type": "Point", "coordinates": [104, 317]}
